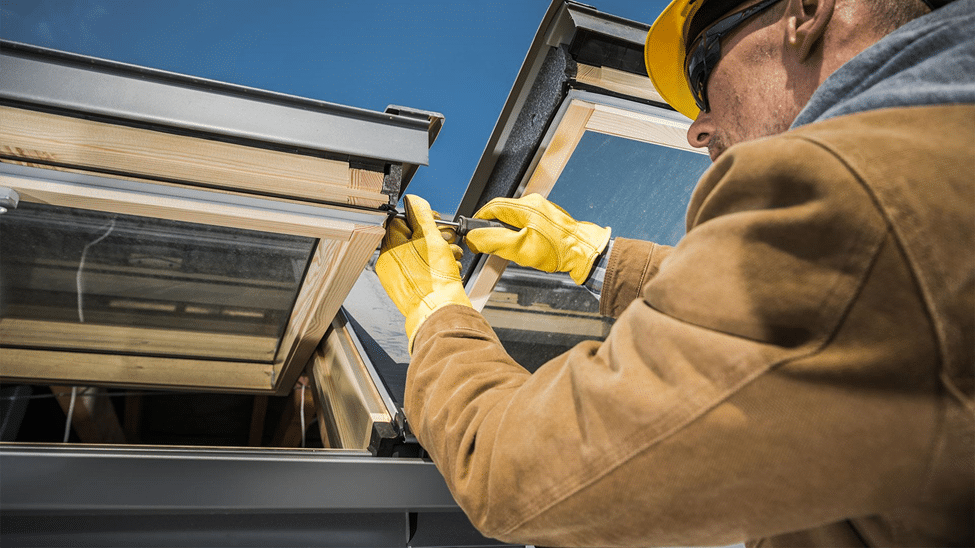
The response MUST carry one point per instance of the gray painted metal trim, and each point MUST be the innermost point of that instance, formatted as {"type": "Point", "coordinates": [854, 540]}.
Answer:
{"type": "Point", "coordinates": [9, 198]}
{"type": "Point", "coordinates": [65, 81]}
{"type": "Point", "coordinates": [203, 197]}
{"type": "Point", "coordinates": [165, 530]}
{"type": "Point", "coordinates": [52, 478]}
{"type": "Point", "coordinates": [589, 18]}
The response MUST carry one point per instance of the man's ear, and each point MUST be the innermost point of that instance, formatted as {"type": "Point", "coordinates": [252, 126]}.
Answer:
{"type": "Point", "coordinates": [806, 22]}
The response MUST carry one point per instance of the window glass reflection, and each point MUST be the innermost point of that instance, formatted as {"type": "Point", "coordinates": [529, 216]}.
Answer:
{"type": "Point", "coordinates": [74, 270]}
{"type": "Point", "coordinates": [640, 189]}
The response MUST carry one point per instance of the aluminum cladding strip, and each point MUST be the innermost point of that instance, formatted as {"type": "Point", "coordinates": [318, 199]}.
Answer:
{"type": "Point", "coordinates": [80, 84]}
{"type": "Point", "coordinates": [68, 479]}
{"type": "Point", "coordinates": [199, 196]}
{"type": "Point", "coordinates": [588, 18]}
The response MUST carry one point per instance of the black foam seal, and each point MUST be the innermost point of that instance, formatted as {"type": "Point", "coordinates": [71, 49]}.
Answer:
{"type": "Point", "coordinates": [600, 50]}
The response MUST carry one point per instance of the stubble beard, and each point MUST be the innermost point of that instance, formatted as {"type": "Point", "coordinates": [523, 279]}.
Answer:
{"type": "Point", "coordinates": [721, 140]}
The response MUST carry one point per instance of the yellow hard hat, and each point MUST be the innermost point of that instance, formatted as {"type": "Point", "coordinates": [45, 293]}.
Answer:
{"type": "Point", "coordinates": [665, 51]}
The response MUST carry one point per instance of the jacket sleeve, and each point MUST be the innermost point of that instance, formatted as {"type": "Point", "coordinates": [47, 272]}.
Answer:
{"type": "Point", "coordinates": [702, 418]}
{"type": "Point", "coordinates": [631, 265]}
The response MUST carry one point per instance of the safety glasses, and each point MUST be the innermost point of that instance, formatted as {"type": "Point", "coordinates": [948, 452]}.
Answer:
{"type": "Point", "coordinates": [705, 52]}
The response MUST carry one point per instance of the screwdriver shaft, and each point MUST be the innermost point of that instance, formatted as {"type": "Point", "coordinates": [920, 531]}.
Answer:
{"type": "Point", "coordinates": [466, 224]}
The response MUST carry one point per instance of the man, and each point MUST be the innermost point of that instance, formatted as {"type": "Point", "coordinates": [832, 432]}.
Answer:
{"type": "Point", "coordinates": [799, 368]}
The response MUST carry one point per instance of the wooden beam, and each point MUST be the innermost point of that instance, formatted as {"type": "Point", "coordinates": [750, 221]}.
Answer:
{"type": "Point", "coordinates": [38, 366]}
{"type": "Point", "coordinates": [358, 175]}
{"type": "Point", "coordinates": [109, 338]}
{"type": "Point", "coordinates": [67, 141]}
{"type": "Point", "coordinates": [560, 148]}
{"type": "Point", "coordinates": [368, 181]}
{"type": "Point", "coordinates": [333, 271]}
{"type": "Point", "coordinates": [348, 399]}
{"type": "Point", "coordinates": [174, 208]}
{"type": "Point", "coordinates": [618, 81]}
{"type": "Point", "coordinates": [638, 126]}
{"type": "Point", "coordinates": [93, 417]}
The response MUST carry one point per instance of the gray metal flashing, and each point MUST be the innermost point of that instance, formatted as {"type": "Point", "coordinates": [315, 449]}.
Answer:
{"type": "Point", "coordinates": [434, 120]}
{"type": "Point", "coordinates": [256, 529]}
{"type": "Point", "coordinates": [59, 478]}
{"type": "Point", "coordinates": [204, 198]}
{"type": "Point", "coordinates": [79, 84]}
{"type": "Point", "coordinates": [589, 18]}
{"type": "Point", "coordinates": [57, 495]}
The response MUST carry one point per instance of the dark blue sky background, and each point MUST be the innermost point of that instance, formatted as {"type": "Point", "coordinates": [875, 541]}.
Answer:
{"type": "Point", "coordinates": [456, 57]}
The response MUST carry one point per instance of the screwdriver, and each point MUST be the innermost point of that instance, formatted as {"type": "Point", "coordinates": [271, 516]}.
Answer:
{"type": "Point", "coordinates": [466, 224]}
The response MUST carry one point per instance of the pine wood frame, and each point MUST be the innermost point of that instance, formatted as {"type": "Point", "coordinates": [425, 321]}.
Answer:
{"type": "Point", "coordinates": [63, 143]}
{"type": "Point", "coordinates": [345, 393]}
{"type": "Point", "coordinates": [579, 117]}
{"type": "Point", "coordinates": [618, 81]}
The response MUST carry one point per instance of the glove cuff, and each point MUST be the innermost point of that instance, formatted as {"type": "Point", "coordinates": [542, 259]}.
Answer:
{"type": "Point", "coordinates": [595, 236]}
{"type": "Point", "coordinates": [430, 304]}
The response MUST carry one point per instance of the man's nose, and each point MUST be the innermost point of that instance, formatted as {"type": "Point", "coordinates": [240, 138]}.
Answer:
{"type": "Point", "coordinates": [699, 134]}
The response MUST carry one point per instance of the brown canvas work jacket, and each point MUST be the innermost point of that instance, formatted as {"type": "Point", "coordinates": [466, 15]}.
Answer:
{"type": "Point", "coordinates": [799, 368]}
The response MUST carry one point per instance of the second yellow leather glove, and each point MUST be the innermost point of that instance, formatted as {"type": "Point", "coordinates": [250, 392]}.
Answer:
{"type": "Point", "coordinates": [548, 238]}
{"type": "Point", "coordinates": [418, 266]}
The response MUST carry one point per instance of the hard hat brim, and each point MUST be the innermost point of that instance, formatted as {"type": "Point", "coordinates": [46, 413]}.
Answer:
{"type": "Point", "coordinates": [664, 53]}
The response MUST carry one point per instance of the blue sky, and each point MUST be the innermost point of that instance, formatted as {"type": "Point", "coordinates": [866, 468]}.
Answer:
{"type": "Point", "coordinates": [456, 57]}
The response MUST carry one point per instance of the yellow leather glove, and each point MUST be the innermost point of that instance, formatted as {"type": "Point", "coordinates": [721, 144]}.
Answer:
{"type": "Point", "coordinates": [548, 240]}
{"type": "Point", "coordinates": [418, 266]}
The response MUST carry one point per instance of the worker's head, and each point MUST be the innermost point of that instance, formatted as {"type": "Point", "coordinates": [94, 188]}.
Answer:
{"type": "Point", "coordinates": [743, 69]}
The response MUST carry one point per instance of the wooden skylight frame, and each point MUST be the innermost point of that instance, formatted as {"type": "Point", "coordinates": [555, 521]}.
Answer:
{"type": "Point", "coordinates": [581, 112]}
{"type": "Point", "coordinates": [343, 247]}
{"type": "Point", "coordinates": [100, 136]}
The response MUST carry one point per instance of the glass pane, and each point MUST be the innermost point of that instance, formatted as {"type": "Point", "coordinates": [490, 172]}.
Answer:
{"type": "Point", "coordinates": [96, 281]}
{"type": "Point", "coordinates": [642, 191]}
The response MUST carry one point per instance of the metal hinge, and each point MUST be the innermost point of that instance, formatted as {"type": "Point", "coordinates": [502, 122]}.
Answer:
{"type": "Point", "coordinates": [8, 199]}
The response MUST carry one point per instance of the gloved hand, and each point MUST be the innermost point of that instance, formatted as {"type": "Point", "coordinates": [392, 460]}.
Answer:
{"type": "Point", "coordinates": [548, 240]}
{"type": "Point", "coordinates": [418, 266]}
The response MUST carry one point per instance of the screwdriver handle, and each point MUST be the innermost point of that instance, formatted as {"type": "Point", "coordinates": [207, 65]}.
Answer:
{"type": "Point", "coordinates": [467, 224]}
